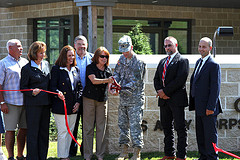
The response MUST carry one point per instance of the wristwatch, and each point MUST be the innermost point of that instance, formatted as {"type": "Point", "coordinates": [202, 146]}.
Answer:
{"type": "Point", "coordinates": [1, 103]}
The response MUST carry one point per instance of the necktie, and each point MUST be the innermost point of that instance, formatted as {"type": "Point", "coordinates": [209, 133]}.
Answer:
{"type": "Point", "coordinates": [198, 69]}
{"type": "Point", "coordinates": [195, 75]}
{"type": "Point", "coordinates": [164, 70]}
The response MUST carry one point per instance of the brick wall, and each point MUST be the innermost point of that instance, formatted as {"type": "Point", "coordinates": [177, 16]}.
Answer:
{"type": "Point", "coordinates": [15, 22]}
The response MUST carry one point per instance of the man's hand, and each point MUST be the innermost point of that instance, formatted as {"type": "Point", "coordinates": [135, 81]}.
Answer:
{"type": "Point", "coordinates": [114, 92]}
{"type": "Point", "coordinates": [166, 97]}
{"type": "Point", "coordinates": [160, 93]}
{"type": "Point", "coordinates": [4, 108]}
{"type": "Point", "coordinates": [209, 112]}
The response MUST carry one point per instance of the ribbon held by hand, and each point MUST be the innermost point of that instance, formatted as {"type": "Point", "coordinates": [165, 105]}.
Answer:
{"type": "Point", "coordinates": [65, 110]}
{"type": "Point", "coordinates": [220, 150]}
{"type": "Point", "coordinates": [115, 85]}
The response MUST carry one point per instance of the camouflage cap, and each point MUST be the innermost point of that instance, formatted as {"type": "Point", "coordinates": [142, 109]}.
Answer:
{"type": "Point", "coordinates": [125, 43]}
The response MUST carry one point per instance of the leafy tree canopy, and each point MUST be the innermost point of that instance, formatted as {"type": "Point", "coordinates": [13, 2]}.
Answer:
{"type": "Point", "coordinates": [140, 41]}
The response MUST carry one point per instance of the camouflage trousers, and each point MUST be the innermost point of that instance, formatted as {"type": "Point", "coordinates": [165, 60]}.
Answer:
{"type": "Point", "coordinates": [129, 122]}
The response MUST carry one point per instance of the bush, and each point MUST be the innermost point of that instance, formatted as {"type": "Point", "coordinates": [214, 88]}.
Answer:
{"type": "Point", "coordinates": [52, 129]}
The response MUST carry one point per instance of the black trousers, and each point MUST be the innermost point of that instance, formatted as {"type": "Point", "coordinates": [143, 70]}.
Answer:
{"type": "Point", "coordinates": [38, 118]}
{"type": "Point", "coordinates": [74, 145]}
{"type": "Point", "coordinates": [173, 117]}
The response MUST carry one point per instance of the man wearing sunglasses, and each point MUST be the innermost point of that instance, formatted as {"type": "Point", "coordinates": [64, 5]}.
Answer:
{"type": "Point", "coordinates": [170, 85]}
{"type": "Point", "coordinates": [129, 73]}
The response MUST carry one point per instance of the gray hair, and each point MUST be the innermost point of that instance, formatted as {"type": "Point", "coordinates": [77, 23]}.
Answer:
{"type": "Point", "coordinates": [80, 37]}
{"type": "Point", "coordinates": [11, 42]}
{"type": "Point", "coordinates": [208, 40]}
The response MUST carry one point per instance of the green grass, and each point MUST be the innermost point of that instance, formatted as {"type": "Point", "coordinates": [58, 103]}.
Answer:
{"type": "Point", "coordinates": [52, 154]}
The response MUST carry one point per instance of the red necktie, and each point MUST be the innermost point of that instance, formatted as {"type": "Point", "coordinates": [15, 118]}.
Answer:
{"type": "Point", "coordinates": [164, 69]}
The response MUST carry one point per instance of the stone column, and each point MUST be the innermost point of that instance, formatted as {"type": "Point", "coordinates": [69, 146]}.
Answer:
{"type": "Point", "coordinates": [83, 15]}
{"type": "Point", "coordinates": [92, 28]}
{"type": "Point", "coordinates": [108, 43]}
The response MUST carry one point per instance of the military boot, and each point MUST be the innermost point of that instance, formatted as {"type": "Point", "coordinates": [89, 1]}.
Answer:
{"type": "Point", "coordinates": [124, 152]}
{"type": "Point", "coordinates": [136, 154]}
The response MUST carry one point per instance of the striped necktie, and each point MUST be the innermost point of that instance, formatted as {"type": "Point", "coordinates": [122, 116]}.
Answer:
{"type": "Point", "coordinates": [198, 69]}
{"type": "Point", "coordinates": [164, 70]}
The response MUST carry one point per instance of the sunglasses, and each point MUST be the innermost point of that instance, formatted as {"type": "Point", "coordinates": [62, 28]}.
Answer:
{"type": "Point", "coordinates": [169, 45]}
{"type": "Point", "coordinates": [102, 56]}
{"type": "Point", "coordinates": [124, 45]}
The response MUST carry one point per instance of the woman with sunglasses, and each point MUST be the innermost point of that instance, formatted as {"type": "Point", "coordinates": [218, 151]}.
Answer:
{"type": "Point", "coordinates": [98, 76]}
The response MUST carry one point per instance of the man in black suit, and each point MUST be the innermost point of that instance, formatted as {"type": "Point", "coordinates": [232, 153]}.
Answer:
{"type": "Point", "coordinates": [170, 85]}
{"type": "Point", "coordinates": [204, 98]}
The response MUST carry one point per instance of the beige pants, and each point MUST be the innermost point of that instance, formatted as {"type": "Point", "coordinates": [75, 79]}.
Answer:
{"type": "Point", "coordinates": [64, 138]}
{"type": "Point", "coordinates": [15, 118]}
{"type": "Point", "coordinates": [94, 111]}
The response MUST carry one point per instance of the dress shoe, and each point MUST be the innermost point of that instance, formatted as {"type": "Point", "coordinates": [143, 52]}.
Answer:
{"type": "Point", "coordinates": [168, 157]}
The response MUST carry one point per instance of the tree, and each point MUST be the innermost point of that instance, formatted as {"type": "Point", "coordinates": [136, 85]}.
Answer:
{"type": "Point", "coordinates": [140, 40]}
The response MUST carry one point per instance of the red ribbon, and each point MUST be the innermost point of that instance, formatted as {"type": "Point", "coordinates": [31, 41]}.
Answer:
{"type": "Point", "coordinates": [65, 110]}
{"type": "Point", "coordinates": [115, 85]}
{"type": "Point", "coordinates": [220, 150]}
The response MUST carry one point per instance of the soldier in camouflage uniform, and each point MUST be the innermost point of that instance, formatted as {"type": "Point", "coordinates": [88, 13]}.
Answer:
{"type": "Point", "coordinates": [129, 73]}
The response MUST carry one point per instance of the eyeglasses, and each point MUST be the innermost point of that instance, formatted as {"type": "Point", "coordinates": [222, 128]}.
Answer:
{"type": "Point", "coordinates": [169, 45]}
{"type": "Point", "coordinates": [102, 56]}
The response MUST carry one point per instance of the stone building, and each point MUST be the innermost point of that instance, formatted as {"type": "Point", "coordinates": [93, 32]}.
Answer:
{"type": "Point", "coordinates": [57, 22]}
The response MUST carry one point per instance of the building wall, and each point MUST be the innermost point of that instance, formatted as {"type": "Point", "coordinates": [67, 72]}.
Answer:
{"type": "Point", "coordinates": [15, 22]}
{"type": "Point", "coordinates": [205, 21]}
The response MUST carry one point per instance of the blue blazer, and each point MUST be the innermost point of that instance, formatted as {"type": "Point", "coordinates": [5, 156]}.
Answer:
{"type": "Point", "coordinates": [207, 88]}
{"type": "Point", "coordinates": [60, 81]}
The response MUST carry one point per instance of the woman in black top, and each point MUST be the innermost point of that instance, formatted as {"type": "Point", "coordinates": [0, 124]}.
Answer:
{"type": "Point", "coordinates": [65, 79]}
{"type": "Point", "coordinates": [95, 103]}
{"type": "Point", "coordinates": [36, 75]}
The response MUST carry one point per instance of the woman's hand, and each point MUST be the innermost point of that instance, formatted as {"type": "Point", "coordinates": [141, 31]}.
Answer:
{"type": "Point", "coordinates": [36, 91]}
{"type": "Point", "coordinates": [110, 80]}
{"type": "Point", "coordinates": [75, 107]}
{"type": "Point", "coordinates": [60, 95]}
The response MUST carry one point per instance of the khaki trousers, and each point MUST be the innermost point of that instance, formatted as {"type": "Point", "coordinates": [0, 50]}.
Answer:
{"type": "Point", "coordinates": [64, 138]}
{"type": "Point", "coordinates": [94, 113]}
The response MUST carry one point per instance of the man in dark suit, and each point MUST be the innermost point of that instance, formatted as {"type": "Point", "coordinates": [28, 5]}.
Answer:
{"type": "Point", "coordinates": [170, 85]}
{"type": "Point", "coordinates": [204, 98]}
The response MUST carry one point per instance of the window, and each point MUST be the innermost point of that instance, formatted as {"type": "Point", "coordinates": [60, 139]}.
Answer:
{"type": "Point", "coordinates": [55, 32]}
{"type": "Point", "coordinates": [155, 29]}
